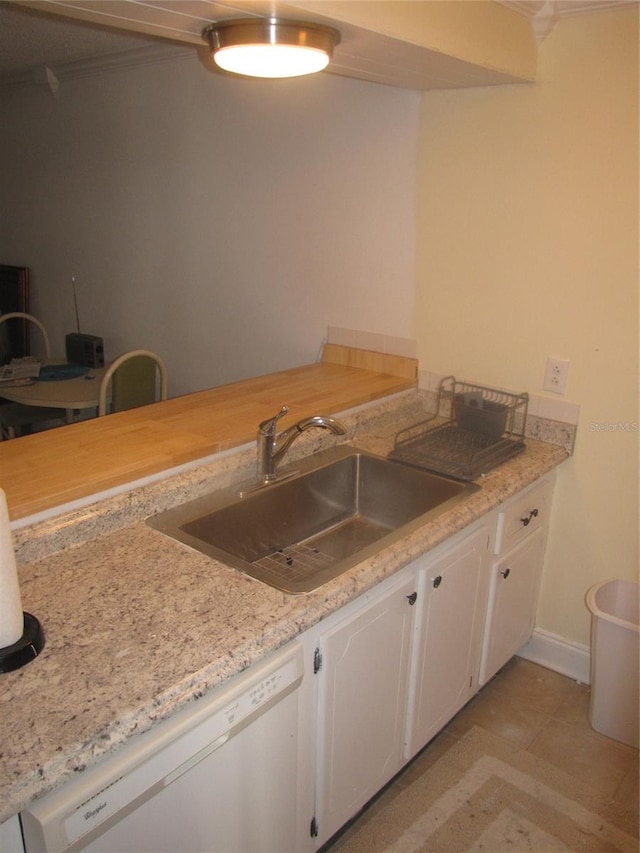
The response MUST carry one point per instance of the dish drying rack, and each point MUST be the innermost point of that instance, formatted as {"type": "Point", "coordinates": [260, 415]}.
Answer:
{"type": "Point", "coordinates": [483, 427]}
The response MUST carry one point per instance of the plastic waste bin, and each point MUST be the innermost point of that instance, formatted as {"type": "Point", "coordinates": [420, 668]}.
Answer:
{"type": "Point", "coordinates": [615, 659]}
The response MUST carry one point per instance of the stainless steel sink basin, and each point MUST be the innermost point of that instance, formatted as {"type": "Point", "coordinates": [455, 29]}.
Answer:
{"type": "Point", "coordinates": [342, 506]}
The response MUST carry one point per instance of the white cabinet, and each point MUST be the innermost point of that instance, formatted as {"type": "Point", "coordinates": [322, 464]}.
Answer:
{"type": "Point", "coordinates": [515, 576]}
{"type": "Point", "coordinates": [401, 661]}
{"type": "Point", "coordinates": [362, 703]}
{"type": "Point", "coordinates": [447, 637]}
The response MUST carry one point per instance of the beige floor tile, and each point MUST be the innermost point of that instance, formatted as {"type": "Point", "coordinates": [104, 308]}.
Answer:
{"type": "Point", "coordinates": [590, 757]}
{"type": "Point", "coordinates": [575, 708]}
{"type": "Point", "coordinates": [517, 722]}
{"type": "Point", "coordinates": [427, 758]}
{"type": "Point", "coordinates": [534, 686]}
{"type": "Point", "coordinates": [628, 793]}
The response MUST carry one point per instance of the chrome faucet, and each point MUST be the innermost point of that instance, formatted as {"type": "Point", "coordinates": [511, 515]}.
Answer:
{"type": "Point", "coordinates": [272, 447]}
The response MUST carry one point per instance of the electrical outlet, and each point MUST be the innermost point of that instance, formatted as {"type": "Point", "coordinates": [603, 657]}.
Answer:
{"type": "Point", "coordinates": [555, 376]}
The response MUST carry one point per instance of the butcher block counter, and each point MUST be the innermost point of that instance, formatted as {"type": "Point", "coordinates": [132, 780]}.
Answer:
{"type": "Point", "coordinates": [45, 470]}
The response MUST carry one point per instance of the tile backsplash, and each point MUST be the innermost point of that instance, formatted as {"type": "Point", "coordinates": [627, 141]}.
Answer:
{"type": "Point", "coordinates": [553, 421]}
{"type": "Point", "coordinates": [389, 344]}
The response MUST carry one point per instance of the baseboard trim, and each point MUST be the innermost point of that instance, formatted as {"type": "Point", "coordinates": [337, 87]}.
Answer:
{"type": "Point", "coordinates": [560, 655]}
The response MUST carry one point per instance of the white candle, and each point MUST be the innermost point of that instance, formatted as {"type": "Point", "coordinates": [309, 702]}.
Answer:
{"type": "Point", "coordinates": [11, 616]}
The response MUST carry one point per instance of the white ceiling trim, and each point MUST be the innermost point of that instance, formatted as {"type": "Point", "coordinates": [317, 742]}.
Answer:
{"type": "Point", "coordinates": [566, 8]}
{"type": "Point", "coordinates": [545, 14]}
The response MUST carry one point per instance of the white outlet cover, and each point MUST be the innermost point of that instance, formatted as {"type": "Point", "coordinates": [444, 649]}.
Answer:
{"type": "Point", "coordinates": [556, 374]}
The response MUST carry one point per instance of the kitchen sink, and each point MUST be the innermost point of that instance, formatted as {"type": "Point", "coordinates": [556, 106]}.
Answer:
{"type": "Point", "coordinates": [340, 507]}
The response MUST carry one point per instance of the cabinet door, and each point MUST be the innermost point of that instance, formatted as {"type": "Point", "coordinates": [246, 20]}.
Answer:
{"type": "Point", "coordinates": [448, 637]}
{"type": "Point", "coordinates": [362, 705]}
{"type": "Point", "coordinates": [513, 595]}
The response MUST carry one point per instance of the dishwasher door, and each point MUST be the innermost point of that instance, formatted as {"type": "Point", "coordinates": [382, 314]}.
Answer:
{"type": "Point", "coordinates": [221, 776]}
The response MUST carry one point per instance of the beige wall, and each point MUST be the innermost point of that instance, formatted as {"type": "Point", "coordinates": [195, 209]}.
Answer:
{"type": "Point", "coordinates": [528, 246]}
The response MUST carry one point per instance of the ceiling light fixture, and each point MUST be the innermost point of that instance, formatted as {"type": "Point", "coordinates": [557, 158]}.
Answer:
{"type": "Point", "coordinates": [268, 47]}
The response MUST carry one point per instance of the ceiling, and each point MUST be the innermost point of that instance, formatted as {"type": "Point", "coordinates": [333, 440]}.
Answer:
{"type": "Point", "coordinates": [30, 38]}
{"type": "Point", "coordinates": [37, 45]}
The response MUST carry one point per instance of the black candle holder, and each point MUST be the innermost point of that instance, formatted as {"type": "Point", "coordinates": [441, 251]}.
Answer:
{"type": "Point", "coordinates": [26, 648]}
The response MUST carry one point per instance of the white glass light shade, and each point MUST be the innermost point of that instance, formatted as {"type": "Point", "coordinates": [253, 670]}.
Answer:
{"type": "Point", "coordinates": [270, 48]}
{"type": "Point", "coordinates": [271, 60]}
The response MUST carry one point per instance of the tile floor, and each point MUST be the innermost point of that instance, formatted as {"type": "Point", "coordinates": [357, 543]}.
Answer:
{"type": "Point", "coordinates": [541, 712]}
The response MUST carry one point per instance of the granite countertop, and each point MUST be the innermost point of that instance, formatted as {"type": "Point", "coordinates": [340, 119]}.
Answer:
{"type": "Point", "coordinates": [138, 625]}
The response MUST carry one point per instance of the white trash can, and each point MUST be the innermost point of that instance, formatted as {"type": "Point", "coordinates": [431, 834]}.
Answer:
{"type": "Point", "coordinates": [615, 659]}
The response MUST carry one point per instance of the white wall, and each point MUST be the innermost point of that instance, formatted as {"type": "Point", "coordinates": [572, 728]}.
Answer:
{"type": "Point", "coordinates": [528, 247]}
{"type": "Point", "coordinates": [223, 223]}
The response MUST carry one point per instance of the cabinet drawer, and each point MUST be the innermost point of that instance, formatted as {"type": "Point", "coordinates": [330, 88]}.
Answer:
{"type": "Point", "coordinates": [526, 513]}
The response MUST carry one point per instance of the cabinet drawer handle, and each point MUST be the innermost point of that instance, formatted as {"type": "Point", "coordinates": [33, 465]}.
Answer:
{"type": "Point", "coordinates": [437, 581]}
{"type": "Point", "coordinates": [505, 573]}
{"type": "Point", "coordinates": [412, 598]}
{"type": "Point", "coordinates": [533, 514]}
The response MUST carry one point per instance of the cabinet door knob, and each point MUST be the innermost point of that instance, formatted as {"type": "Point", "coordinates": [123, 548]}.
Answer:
{"type": "Point", "coordinates": [527, 519]}
{"type": "Point", "coordinates": [505, 573]}
{"type": "Point", "coordinates": [437, 581]}
{"type": "Point", "coordinates": [412, 598]}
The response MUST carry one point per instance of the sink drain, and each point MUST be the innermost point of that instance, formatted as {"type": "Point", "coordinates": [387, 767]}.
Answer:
{"type": "Point", "coordinates": [295, 562]}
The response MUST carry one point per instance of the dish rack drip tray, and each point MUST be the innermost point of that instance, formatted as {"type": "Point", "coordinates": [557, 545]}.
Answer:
{"type": "Point", "coordinates": [475, 429]}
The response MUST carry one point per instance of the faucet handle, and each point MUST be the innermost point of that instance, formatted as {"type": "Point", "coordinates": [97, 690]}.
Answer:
{"type": "Point", "coordinates": [268, 427]}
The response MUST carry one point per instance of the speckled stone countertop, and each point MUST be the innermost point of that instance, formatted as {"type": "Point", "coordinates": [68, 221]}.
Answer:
{"type": "Point", "coordinates": [138, 625]}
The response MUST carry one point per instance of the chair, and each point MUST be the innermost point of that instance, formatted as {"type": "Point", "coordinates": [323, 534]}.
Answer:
{"type": "Point", "coordinates": [21, 315]}
{"type": "Point", "coordinates": [16, 416]}
{"type": "Point", "coordinates": [134, 378]}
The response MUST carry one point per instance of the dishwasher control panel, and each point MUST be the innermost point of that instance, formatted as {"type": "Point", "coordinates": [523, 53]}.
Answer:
{"type": "Point", "coordinates": [260, 694]}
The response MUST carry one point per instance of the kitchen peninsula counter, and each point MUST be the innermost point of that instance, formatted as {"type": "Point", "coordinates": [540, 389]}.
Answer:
{"type": "Point", "coordinates": [48, 469]}
{"type": "Point", "coordinates": [138, 626]}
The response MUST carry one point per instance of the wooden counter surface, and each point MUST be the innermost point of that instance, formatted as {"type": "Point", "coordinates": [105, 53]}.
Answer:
{"type": "Point", "coordinates": [47, 469]}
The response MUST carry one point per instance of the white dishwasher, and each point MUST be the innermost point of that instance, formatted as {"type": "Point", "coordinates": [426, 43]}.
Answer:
{"type": "Point", "coordinates": [218, 776]}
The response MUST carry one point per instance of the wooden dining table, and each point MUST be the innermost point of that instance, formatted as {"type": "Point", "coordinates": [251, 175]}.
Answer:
{"type": "Point", "coordinates": [76, 393]}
